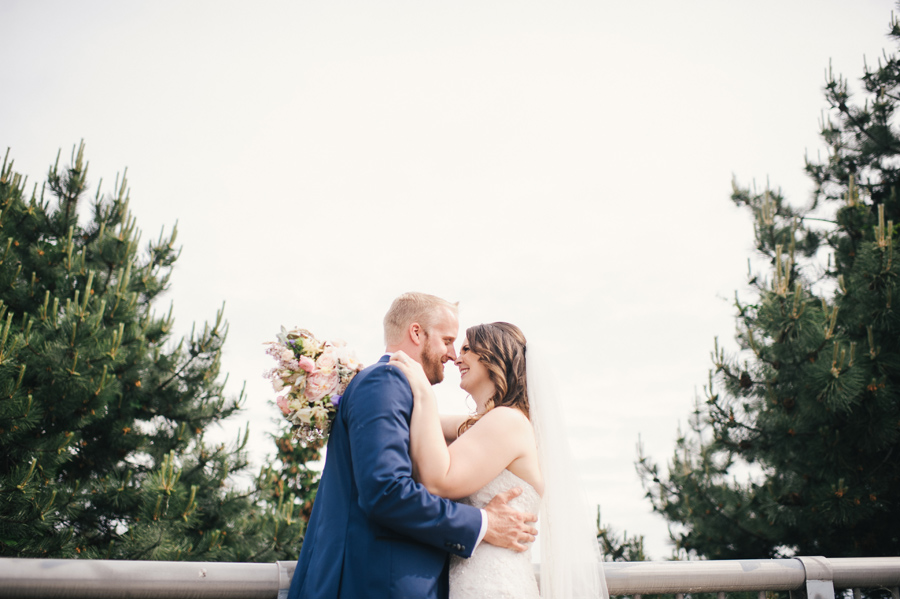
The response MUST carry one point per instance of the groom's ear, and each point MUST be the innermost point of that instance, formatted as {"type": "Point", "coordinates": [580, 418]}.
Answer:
{"type": "Point", "coordinates": [416, 333]}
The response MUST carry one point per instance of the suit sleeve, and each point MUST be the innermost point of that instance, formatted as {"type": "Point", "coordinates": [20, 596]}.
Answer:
{"type": "Point", "coordinates": [378, 427]}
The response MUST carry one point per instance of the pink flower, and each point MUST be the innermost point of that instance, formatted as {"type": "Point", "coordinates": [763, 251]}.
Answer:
{"type": "Point", "coordinates": [283, 404]}
{"type": "Point", "coordinates": [326, 361]}
{"type": "Point", "coordinates": [320, 383]}
{"type": "Point", "coordinates": [306, 363]}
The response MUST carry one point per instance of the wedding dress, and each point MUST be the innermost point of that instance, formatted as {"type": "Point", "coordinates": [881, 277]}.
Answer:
{"type": "Point", "coordinates": [571, 564]}
{"type": "Point", "coordinates": [493, 572]}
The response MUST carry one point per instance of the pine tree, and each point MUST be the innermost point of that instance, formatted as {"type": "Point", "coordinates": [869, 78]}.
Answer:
{"type": "Point", "coordinates": [808, 411]}
{"type": "Point", "coordinates": [617, 548]}
{"type": "Point", "coordinates": [292, 479]}
{"type": "Point", "coordinates": [102, 414]}
{"type": "Point", "coordinates": [295, 475]}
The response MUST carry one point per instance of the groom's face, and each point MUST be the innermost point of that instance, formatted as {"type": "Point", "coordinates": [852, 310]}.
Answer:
{"type": "Point", "coordinates": [438, 347]}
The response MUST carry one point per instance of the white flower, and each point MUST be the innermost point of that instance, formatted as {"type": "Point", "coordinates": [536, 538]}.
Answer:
{"type": "Point", "coordinates": [346, 356]}
{"type": "Point", "coordinates": [303, 415]}
{"type": "Point", "coordinates": [320, 414]}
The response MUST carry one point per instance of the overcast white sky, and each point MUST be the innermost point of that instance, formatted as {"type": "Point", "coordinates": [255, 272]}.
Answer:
{"type": "Point", "coordinates": [563, 166]}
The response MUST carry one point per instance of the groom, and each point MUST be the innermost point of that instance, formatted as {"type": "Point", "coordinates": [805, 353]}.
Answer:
{"type": "Point", "coordinates": [374, 531]}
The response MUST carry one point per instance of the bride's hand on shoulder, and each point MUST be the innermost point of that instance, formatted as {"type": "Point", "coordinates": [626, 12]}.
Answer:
{"type": "Point", "coordinates": [413, 371]}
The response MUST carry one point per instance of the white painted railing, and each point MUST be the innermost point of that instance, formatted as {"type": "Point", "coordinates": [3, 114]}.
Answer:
{"type": "Point", "coordinates": [818, 577]}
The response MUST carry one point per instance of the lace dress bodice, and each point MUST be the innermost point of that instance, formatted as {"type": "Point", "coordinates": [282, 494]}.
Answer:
{"type": "Point", "coordinates": [494, 572]}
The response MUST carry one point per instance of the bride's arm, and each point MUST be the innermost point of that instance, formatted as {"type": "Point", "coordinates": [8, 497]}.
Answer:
{"type": "Point", "coordinates": [475, 458]}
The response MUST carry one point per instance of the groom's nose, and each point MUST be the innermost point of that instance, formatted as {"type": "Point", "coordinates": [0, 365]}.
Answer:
{"type": "Point", "coordinates": [450, 355]}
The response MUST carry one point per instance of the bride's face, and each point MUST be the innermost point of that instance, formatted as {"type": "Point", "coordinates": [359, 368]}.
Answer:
{"type": "Point", "coordinates": [473, 374]}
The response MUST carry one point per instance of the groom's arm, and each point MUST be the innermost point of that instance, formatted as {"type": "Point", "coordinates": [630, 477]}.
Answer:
{"type": "Point", "coordinates": [378, 426]}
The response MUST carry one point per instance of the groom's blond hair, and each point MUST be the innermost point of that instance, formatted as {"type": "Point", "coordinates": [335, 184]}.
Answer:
{"type": "Point", "coordinates": [413, 307]}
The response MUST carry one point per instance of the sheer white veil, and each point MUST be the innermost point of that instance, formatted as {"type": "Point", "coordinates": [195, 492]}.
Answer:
{"type": "Point", "coordinates": [571, 564]}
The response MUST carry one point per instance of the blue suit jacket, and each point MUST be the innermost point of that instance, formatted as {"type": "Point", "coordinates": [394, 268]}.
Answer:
{"type": "Point", "coordinates": [374, 531]}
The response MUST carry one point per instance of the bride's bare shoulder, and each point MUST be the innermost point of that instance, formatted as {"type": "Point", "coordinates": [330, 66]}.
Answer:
{"type": "Point", "coordinates": [506, 417]}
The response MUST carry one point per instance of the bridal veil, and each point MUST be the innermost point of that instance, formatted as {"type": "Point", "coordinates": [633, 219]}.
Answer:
{"type": "Point", "coordinates": [571, 564]}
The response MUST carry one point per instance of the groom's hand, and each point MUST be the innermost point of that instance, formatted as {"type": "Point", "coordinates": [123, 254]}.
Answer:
{"type": "Point", "coordinates": [508, 527]}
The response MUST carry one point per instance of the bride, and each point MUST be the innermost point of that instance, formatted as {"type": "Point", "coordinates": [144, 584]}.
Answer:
{"type": "Point", "coordinates": [514, 439]}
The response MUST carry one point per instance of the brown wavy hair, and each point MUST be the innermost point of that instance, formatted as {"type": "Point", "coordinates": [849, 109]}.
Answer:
{"type": "Point", "coordinates": [500, 346]}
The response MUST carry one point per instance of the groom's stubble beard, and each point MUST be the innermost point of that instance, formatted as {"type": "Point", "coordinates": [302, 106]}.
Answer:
{"type": "Point", "coordinates": [432, 365]}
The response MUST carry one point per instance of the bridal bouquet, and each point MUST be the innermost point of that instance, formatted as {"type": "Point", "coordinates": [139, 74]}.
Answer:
{"type": "Point", "coordinates": [313, 374]}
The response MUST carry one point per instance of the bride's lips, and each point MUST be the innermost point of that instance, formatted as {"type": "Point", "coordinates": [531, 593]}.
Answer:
{"type": "Point", "coordinates": [463, 371]}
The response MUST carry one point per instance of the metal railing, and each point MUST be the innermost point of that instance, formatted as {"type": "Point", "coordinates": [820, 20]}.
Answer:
{"type": "Point", "coordinates": [816, 577]}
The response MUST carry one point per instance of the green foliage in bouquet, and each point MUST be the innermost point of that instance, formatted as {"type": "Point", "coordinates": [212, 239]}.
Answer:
{"type": "Point", "coordinates": [102, 413]}
{"type": "Point", "coordinates": [796, 449]}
